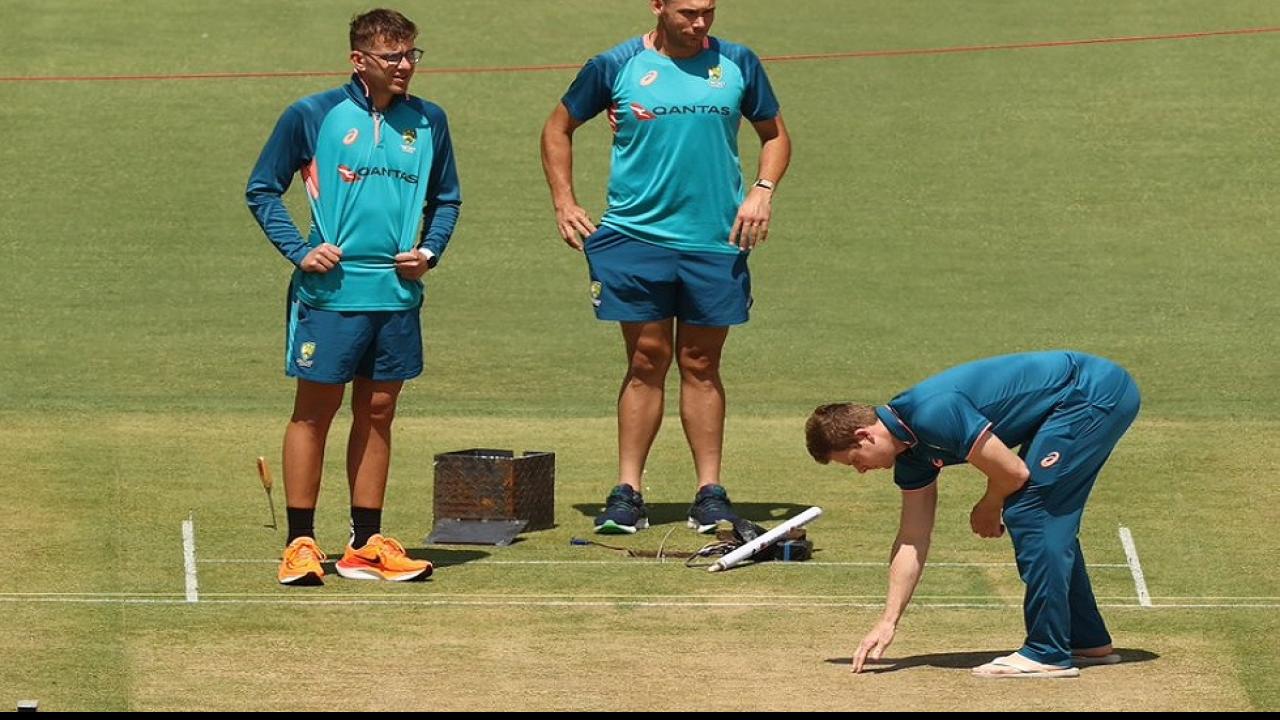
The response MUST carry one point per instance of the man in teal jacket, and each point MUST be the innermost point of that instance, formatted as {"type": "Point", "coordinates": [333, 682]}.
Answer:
{"type": "Point", "coordinates": [379, 173]}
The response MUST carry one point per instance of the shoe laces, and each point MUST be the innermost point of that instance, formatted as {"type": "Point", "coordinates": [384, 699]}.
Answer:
{"type": "Point", "coordinates": [621, 498]}
{"type": "Point", "coordinates": [306, 551]}
{"type": "Point", "coordinates": [391, 547]}
{"type": "Point", "coordinates": [715, 504]}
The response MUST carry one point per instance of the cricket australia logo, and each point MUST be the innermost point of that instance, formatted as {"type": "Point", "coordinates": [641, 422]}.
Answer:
{"type": "Point", "coordinates": [596, 290]}
{"type": "Point", "coordinates": [715, 77]}
{"type": "Point", "coordinates": [409, 138]}
{"type": "Point", "coordinates": [306, 355]}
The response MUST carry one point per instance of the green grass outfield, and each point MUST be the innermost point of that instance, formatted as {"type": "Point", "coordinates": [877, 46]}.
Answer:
{"type": "Point", "coordinates": [1117, 198]}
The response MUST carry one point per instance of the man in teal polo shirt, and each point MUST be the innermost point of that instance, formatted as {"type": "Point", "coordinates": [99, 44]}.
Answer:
{"type": "Point", "coordinates": [668, 262]}
{"type": "Point", "coordinates": [1066, 411]}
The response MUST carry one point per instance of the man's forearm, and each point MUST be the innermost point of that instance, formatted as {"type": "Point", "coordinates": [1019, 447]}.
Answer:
{"type": "Point", "coordinates": [557, 165]}
{"type": "Point", "coordinates": [775, 156]}
{"type": "Point", "coordinates": [906, 565]}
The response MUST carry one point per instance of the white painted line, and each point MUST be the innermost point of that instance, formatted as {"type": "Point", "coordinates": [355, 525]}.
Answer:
{"type": "Point", "coordinates": [1135, 567]}
{"type": "Point", "coordinates": [283, 600]}
{"type": "Point", "coordinates": [392, 595]}
{"type": "Point", "coordinates": [668, 561]}
{"type": "Point", "coordinates": [1166, 601]}
{"type": "Point", "coordinates": [90, 594]}
{"type": "Point", "coordinates": [189, 558]}
{"type": "Point", "coordinates": [1215, 605]}
{"type": "Point", "coordinates": [1216, 597]}
{"type": "Point", "coordinates": [295, 601]}
{"type": "Point", "coordinates": [175, 600]}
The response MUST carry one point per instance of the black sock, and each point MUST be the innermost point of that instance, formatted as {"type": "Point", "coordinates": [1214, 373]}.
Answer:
{"type": "Point", "coordinates": [302, 523]}
{"type": "Point", "coordinates": [365, 523]}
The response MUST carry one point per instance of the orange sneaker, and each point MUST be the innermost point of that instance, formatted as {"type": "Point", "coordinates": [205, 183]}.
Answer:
{"type": "Point", "coordinates": [382, 558]}
{"type": "Point", "coordinates": [301, 563]}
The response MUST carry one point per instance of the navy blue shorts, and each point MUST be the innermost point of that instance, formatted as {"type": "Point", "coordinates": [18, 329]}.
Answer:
{"type": "Point", "coordinates": [635, 281]}
{"type": "Point", "coordinates": [333, 347]}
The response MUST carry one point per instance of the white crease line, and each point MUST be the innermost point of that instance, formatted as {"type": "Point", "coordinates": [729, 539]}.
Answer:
{"type": "Point", "coordinates": [674, 561]}
{"type": "Point", "coordinates": [1216, 597]}
{"type": "Point", "coordinates": [91, 594]}
{"type": "Point", "coordinates": [544, 596]}
{"type": "Point", "coordinates": [189, 558]}
{"type": "Point", "coordinates": [1166, 606]}
{"type": "Point", "coordinates": [1168, 601]}
{"type": "Point", "coordinates": [1165, 601]}
{"type": "Point", "coordinates": [1135, 567]}
{"type": "Point", "coordinates": [340, 600]}
{"type": "Point", "coordinates": [602, 604]}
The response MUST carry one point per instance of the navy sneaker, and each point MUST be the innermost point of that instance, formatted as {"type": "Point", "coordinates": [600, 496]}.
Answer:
{"type": "Point", "coordinates": [624, 512]}
{"type": "Point", "coordinates": [710, 506]}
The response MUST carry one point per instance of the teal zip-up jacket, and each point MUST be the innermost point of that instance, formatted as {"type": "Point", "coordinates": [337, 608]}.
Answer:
{"type": "Point", "coordinates": [379, 183]}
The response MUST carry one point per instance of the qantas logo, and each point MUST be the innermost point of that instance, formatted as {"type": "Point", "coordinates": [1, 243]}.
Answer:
{"type": "Point", "coordinates": [351, 176]}
{"type": "Point", "coordinates": [643, 113]}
